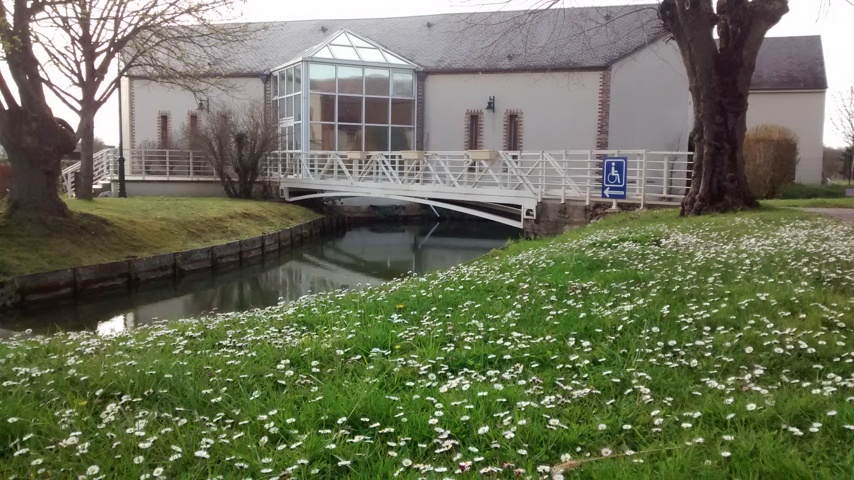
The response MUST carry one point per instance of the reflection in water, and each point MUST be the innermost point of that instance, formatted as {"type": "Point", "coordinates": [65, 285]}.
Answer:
{"type": "Point", "coordinates": [362, 256]}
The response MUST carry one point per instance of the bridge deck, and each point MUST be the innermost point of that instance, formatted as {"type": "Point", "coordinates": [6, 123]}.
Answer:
{"type": "Point", "coordinates": [513, 179]}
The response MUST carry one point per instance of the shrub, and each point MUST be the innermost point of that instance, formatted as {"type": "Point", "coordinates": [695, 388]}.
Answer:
{"type": "Point", "coordinates": [770, 159]}
{"type": "Point", "coordinates": [5, 178]}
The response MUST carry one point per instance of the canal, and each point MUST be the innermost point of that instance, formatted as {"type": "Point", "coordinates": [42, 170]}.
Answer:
{"type": "Point", "coordinates": [362, 256]}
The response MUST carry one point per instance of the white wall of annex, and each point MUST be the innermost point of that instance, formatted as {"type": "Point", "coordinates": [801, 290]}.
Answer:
{"type": "Point", "coordinates": [150, 98]}
{"type": "Point", "coordinates": [802, 112]}
{"type": "Point", "coordinates": [650, 101]}
{"type": "Point", "coordinates": [559, 109]}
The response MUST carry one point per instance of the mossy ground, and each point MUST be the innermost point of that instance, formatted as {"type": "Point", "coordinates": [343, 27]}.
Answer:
{"type": "Point", "coordinates": [112, 229]}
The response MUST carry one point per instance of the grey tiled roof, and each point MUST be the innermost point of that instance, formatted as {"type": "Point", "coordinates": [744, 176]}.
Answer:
{"type": "Point", "coordinates": [790, 63]}
{"type": "Point", "coordinates": [566, 38]}
{"type": "Point", "coordinates": [560, 38]}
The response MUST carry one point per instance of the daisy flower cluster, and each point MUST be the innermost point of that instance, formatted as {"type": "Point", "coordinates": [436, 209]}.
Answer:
{"type": "Point", "coordinates": [634, 348]}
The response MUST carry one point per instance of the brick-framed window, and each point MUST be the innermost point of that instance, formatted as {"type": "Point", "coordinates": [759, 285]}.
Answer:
{"type": "Point", "coordinates": [513, 130]}
{"type": "Point", "coordinates": [474, 130]}
{"type": "Point", "coordinates": [164, 129]}
{"type": "Point", "coordinates": [192, 131]}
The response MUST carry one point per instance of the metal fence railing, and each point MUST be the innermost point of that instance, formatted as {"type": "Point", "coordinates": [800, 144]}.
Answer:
{"type": "Point", "coordinates": [652, 177]}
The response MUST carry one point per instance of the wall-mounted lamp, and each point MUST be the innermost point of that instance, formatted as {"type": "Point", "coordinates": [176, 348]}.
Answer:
{"type": "Point", "coordinates": [490, 105]}
{"type": "Point", "coordinates": [204, 105]}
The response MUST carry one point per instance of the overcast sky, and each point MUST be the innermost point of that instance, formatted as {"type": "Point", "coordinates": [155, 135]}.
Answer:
{"type": "Point", "coordinates": [806, 17]}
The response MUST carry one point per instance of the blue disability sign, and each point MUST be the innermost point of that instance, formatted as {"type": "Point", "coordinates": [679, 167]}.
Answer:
{"type": "Point", "coordinates": [614, 178]}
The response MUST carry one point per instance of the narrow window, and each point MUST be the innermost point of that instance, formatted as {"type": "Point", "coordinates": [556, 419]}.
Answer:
{"type": "Point", "coordinates": [194, 126]}
{"type": "Point", "coordinates": [164, 131]}
{"type": "Point", "coordinates": [472, 142]}
{"type": "Point", "coordinates": [513, 132]}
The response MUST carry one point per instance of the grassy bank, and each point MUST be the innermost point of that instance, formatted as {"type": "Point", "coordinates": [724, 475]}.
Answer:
{"type": "Point", "coordinates": [112, 229]}
{"type": "Point", "coordinates": [844, 202]}
{"type": "Point", "coordinates": [799, 191]}
{"type": "Point", "coordinates": [644, 346]}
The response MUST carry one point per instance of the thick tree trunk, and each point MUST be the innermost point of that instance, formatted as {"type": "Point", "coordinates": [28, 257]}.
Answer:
{"type": "Point", "coordinates": [86, 133]}
{"type": "Point", "coordinates": [719, 75]}
{"type": "Point", "coordinates": [718, 182]}
{"type": "Point", "coordinates": [34, 189]}
{"type": "Point", "coordinates": [35, 147]}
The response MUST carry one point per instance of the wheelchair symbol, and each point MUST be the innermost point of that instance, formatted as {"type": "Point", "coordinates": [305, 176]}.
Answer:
{"type": "Point", "coordinates": [614, 176]}
{"type": "Point", "coordinates": [615, 172]}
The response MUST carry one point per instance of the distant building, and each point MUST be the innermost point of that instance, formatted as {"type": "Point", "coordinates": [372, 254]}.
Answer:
{"type": "Point", "coordinates": [561, 79]}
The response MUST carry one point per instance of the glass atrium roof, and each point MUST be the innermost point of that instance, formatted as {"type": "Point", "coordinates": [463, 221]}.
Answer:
{"type": "Point", "coordinates": [347, 46]}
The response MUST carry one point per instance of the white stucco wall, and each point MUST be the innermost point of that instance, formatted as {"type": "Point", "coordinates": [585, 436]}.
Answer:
{"type": "Point", "coordinates": [558, 109]}
{"type": "Point", "coordinates": [650, 101]}
{"type": "Point", "coordinates": [803, 112]}
{"type": "Point", "coordinates": [149, 99]}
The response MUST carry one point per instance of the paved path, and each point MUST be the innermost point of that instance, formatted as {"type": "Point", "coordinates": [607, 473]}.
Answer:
{"type": "Point", "coordinates": [844, 214]}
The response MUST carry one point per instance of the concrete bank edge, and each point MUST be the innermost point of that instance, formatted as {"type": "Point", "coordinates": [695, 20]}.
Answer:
{"type": "Point", "coordinates": [125, 274]}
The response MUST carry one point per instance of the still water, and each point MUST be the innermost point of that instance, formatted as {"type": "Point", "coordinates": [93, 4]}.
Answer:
{"type": "Point", "coordinates": [362, 256]}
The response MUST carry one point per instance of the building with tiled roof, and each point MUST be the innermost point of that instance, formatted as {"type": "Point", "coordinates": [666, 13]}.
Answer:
{"type": "Point", "coordinates": [559, 79]}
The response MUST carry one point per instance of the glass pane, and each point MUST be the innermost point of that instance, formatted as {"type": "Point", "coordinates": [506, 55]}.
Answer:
{"type": "Point", "coordinates": [403, 84]}
{"type": "Point", "coordinates": [322, 136]}
{"type": "Point", "coordinates": [395, 59]}
{"type": "Point", "coordinates": [376, 110]}
{"type": "Point", "coordinates": [376, 139]}
{"type": "Point", "coordinates": [322, 108]}
{"type": "Point", "coordinates": [298, 136]}
{"type": "Point", "coordinates": [297, 107]}
{"type": "Point", "coordinates": [282, 109]}
{"type": "Point", "coordinates": [376, 81]}
{"type": "Point", "coordinates": [402, 138]}
{"type": "Point", "coordinates": [344, 53]}
{"type": "Point", "coordinates": [283, 138]}
{"type": "Point", "coordinates": [349, 109]}
{"type": "Point", "coordinates": [290, 138]}
{"type": "Point", "coordinates": [298, 79]}
{"type": "Point", "coordinates": [341, 40]}
{"type": "Point", "coordinates": [281, 76]}
{"type": "Point", "coordinates": [358, 42]}
{"type": "Point", "coordinates": [349, 138]}
{"type": "Point", "coordinates": [290, 81]}
{"type": "Point", "coordinates": [402, 111]}
{"type": "Point", "coordinates": [289, 105]}
{"type": "Point", "coordinates": [324, 53]}
{"type": "Point", "coordinates": [371, 55]}
{"type": "Point", "coordinates": [350, 80]}
{"type": "Point", "coordinates": [322, 78]}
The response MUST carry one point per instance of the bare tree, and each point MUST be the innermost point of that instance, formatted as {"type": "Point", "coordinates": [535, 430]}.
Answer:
{"type": "Point", "coordinates": [719, 76]}
{"type": "Point", "coordinates": [33, 138]}
{"type": "Point", "coordinates": [236, 144]}
{"type": "Point", "coordinates": [843, 121]}
{"type": "Point", "coordinates": [174, 40]}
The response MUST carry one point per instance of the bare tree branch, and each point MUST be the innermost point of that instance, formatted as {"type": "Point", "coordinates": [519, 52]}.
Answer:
{"type": "Point", "coordinates": [87, 41]}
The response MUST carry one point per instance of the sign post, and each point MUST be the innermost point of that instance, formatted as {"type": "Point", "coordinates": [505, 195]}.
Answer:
{"type": "Point", "coordinates": [614, 178]}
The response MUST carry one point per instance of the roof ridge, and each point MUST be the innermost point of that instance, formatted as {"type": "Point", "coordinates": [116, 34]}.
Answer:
{"type": "Point", "coordinates": [449, 14]}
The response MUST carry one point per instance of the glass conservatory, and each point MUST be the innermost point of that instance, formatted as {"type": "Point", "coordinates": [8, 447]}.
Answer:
{"type": "Point", "coordinates": [346, 94]}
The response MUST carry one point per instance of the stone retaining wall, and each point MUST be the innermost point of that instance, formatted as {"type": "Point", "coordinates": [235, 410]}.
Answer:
{"type": "Point", "coordinates": [93, 279]}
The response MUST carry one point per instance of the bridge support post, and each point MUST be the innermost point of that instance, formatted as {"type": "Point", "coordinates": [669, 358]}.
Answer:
{"type": "Point", "coordinates": [554, 218]}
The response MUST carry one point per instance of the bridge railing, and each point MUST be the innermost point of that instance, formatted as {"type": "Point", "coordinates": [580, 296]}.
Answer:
{"type": "Point", "coordinates": [657, 177]}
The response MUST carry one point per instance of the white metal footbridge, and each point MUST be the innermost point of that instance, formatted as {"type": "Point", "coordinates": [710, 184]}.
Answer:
{"type": "Point", "coordinates": [502, 186]}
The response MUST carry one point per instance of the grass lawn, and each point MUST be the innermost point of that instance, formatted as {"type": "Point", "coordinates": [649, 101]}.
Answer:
{"type": "Point", "coordinates": [798, 190]}
{"type": "Point", "coordinates": [845, 202]}
{"type": "Point", "coordinates": [643, 346]}
{"type": "Point", "coordinates": [112, 229]}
